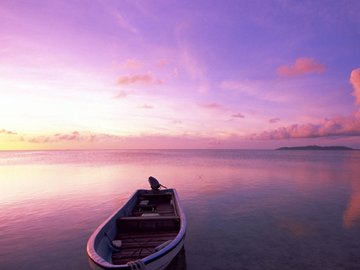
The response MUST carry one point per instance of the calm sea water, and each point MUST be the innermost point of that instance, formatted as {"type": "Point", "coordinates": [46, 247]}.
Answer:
{"type": "Point", "coordinates": [245, 209]}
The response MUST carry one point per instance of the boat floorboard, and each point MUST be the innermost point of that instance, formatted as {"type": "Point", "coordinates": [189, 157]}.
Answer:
{"type": "Point", "coordinates": [137, 245]}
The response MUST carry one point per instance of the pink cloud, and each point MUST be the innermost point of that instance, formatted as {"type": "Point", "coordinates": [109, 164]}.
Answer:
{"type": "Point", "coordinates": [121, 94]}
{"type": "Point", "coordinates": [190, 63]}
{"type": "Point", "coordinates": [337, 126]}
{"type": "Point", "coordinates": [59, 137]}
{"type": "Point", "coordinates": [8, 132]}
{"type": "Point", "coordinates": [212, 105]}
{"type": "Point", "coordinates": [340, 126]}
{"type": "Point", "coordinates": [245, 87]}
{"type": "Point", "coordinates": [121, 21]}
{"type": "Point", "coordinates": [147, 106]}
{"type": "Point", "coordinates": [238, 115]}
{"type": "Point", "coordinates": [135, 79]}
{"type": "Point", "coordinates": [161, 63]}
{"type": "Point", "coordinates": [132, 64]}
{"type": "Point", "coordinates": [101, 141]}
{"type": "Point", "coordinates": [274, 120]}
{"type": "Point", "coordinates": [39, 139]}
{"type": "Point", "coordinates": [68, 137]}
{"type": "Point", "coordinates": [355, 81]}
{"type": "Point", "coordinates": [302, 66]}
{"type": "Point", "coordinates": [176, 121]}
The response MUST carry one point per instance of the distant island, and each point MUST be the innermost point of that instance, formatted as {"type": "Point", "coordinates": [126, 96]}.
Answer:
{"type": "Point", "coordinates": [315, 147]}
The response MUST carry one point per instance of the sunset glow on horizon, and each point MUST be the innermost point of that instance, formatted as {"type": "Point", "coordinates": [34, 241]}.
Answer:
{"type": "Point", "coordinates": [179, 74]}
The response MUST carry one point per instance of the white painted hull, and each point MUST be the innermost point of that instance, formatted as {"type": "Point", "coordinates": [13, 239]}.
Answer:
{"type": "Point", "coordinates": [163, 262]}
{"type": "Point", "coordinates": [99, 250]}
{"type": "Point", "coordinates": [160, 264]}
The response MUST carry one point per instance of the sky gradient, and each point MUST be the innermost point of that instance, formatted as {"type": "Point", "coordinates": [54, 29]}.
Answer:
{"type": "Point", "coordinates": [179, 74]}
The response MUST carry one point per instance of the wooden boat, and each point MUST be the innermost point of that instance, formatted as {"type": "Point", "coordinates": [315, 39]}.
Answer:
{"type": "Point", "coordinates": [146, 233]}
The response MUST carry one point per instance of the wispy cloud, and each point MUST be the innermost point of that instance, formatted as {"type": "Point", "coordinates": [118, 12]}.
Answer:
{"type": "Point", "coordinates": [75, 139]}
{"type": "Point", "coordinates": [75, 135]}
{"type": "Point", "coordinates": [262, 90]}
{"type": "Point", "coordinates": [188, 57]}
{"type": "Point", "coordinates": [191, 64]}
{"type": "Point", "coordinates": [355, 81]}
{"type": "Point", "coordinates": [161, 63]}
{"type": "Point", "coordinates": [121, 94]}
{"type": "Point", "coordinates": [195, 70]}
{"type": "Point", "coordinates": [302, 66]}
{"type": "Point", "coordinates": [8, 132]}
{"type": "Point", "coordinates": [132, 64]}
{"type": "Point", "coordinates": [60, 137]}
{"type": "Point", "coordinates": [145, 79]}
{"type": "Point", "coordinates": [147, 106]}
{"type": "Point", "coordinates": [97, 140]}
{"type": "Point", "coordinates": [123, 22]}
{"type": "Point", "coordinates": [274, 120]}
{"type": "Point", "coordinates": [211, 106]}
{"type": "Point", "coordinates": [175, 121]}
{"type": "Point", "coordinates": [244, 87]}
{"type": "Point", "coordinates": [238, 115]}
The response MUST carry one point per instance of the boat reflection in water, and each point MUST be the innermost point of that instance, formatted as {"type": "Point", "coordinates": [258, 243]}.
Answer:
{"type": "Point", "coordinates": [179, 262]}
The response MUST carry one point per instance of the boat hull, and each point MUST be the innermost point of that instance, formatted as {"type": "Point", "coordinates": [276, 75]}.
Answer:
{"type": "Point", "coordinates": [159, 264]}
{"type": "Point", "coordinates": [100, 251]}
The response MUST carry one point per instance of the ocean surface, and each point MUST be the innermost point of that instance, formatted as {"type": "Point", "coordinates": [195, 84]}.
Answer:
{"type": "Point", "coordinates": [245, 209]}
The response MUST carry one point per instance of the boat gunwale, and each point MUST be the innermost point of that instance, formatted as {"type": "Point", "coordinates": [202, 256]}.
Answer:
{"type": "Point", "coordinates": [97, 259]}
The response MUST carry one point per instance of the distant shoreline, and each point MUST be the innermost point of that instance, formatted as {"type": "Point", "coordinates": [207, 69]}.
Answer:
{"type": "Point", "coordinates": [316, 147]}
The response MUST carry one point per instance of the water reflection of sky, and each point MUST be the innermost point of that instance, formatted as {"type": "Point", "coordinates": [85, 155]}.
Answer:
{"type": "Point", "coordinates": [246, 209]}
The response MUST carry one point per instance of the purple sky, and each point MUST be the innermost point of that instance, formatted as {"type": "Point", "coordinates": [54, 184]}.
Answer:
{"type": "Point", "coordinates": [179, 74]}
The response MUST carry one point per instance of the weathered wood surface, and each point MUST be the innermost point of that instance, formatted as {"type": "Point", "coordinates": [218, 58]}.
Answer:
{"type": "Point", "coordinates": [139, 245]}
{"type": "Point", "coordinates": [140, 235]}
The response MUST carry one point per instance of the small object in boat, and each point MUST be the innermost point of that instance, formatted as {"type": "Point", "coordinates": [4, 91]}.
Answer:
{"type": "Point", "coordinates": [117, 243]}
{"type": "Point", "coordinates": [144, 203]}
{"type": "Point", "coordinates": [114, 243]}
{"type": "Point", "coordinates": [154, 183]}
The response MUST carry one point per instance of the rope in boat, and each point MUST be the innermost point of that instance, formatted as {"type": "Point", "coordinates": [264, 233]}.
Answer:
{"type": "Point", "coordinates": [136, 265]}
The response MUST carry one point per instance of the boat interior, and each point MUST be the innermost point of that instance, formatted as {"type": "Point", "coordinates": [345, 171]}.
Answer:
{"type": "Point", "coordinates": [151, 225]}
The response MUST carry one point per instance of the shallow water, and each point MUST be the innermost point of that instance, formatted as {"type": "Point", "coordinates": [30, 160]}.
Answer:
{"type": "Point", "coordinates": [245, 209]}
